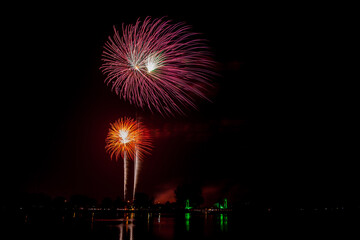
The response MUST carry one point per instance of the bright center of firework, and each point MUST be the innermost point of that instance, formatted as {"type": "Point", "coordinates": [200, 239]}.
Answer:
{"type": "Point", "coordinates": [150, 65]}
{"type": "Point", "coordinates": [124, 136]}
{"type": "Point", "coordinates": [153, 62]}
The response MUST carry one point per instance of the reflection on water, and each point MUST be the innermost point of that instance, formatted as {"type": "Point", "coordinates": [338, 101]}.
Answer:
{"type": "Point", "coordinates": [187, 221]}
{"type": "Point", "coordinates": [128, 233]}
{"type": "Point", "coordinates": [165, 226]}
{"type": "Point", "coordinates": [130, 226]}
{"type": "Point", "coordinates": [116, 225]}
{"type": "Point", "coordinates": [223, 222]}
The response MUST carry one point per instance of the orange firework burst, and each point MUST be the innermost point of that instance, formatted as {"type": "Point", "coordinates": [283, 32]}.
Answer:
{"type": "Point", "coordinates": [128, 139]}
{"type": "Point", "coordinates": [127, 136]}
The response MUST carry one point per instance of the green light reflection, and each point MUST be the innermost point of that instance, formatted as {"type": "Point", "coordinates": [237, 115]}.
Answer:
{"type": "Point", "coordinates": [223, 222]}
{"type": "Point", "coordinates": [187, 221]}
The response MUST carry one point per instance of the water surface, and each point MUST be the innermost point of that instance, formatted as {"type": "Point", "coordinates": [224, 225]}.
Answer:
{"type": "Point", "coordinates": [162, 226]}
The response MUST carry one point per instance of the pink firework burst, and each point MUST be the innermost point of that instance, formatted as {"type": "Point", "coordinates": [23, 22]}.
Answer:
{"type": "Point", "coordinates": [159, 65]}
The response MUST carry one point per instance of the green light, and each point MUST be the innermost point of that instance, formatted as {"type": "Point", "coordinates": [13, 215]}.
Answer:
{"type": "Point", "coordinates": [223, 222]}
{"type": "Point", "coordinates": [187, 221]}
{"type": "Point", "coordinates": [218, 205]}
{"type": "Point", "coordinates": [226, 223]}
{"type": "Point", "coordinates": [225, 203]}
{"type": "Point", "coordinates": [187, 205]}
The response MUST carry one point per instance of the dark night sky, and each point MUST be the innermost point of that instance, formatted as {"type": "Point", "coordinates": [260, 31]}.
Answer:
{"type": "Point", "coordinates": [275, 127]}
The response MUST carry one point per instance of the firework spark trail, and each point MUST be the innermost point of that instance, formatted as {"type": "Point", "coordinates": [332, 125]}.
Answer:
{"type": "Point", "coordinates": [142, 147]}
{"type": "Point", "coordinates": [136, 170]}
{"type": "Point", "coordinates": [125, 176]}
{"type": "Point", "coordinates": [158, 65]}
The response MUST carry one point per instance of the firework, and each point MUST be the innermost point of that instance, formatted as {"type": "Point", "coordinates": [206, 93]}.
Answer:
{"type": "Point", "coordinates": [136, 171]}
{"type": "Point", "coordinates": [128, 139]}
{"type": "Point", "coordinates": [121, 138]}
{"type": "Point", "coordinates": [142, 147]}
{"type": "Point", "coordinates": [120, 143]}
{"type": "Point", "coordinates": [158, 65]}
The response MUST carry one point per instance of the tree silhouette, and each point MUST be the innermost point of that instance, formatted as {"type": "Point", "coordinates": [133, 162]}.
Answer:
{"type": "Point", "coordinates": [119, 203]}
{"type": "Point", "coordinates": [107, 203]}
{"type": "Point", "coordinates": [142, 200]}
{"type": "Point", "coordinates": [78, 201]}
{"type": "Point", "coordinates": [189, 192]}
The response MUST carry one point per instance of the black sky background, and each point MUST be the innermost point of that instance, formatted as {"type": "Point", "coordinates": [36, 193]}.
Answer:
{"type": "Point", "coordinates": [275, 127]}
